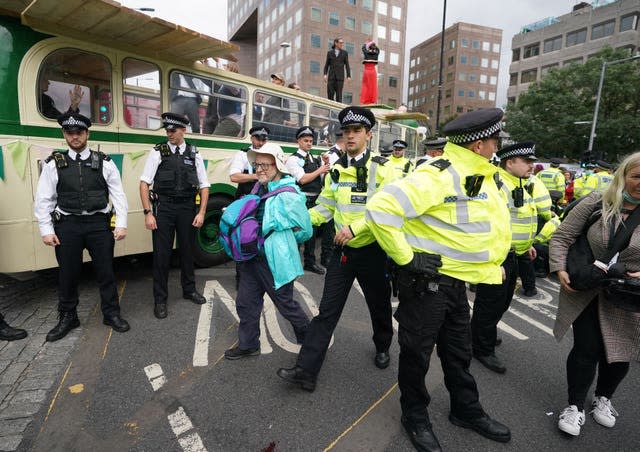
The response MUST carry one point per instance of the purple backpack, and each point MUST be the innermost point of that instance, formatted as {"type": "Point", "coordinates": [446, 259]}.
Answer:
{"type": "Point", "coordinates": [240, 231]}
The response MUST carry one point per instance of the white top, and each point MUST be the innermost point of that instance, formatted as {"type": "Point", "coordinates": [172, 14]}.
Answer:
{"type": "Point", "coordinates": [334, 156]}
{"type": "Point", "coordinates": [47, 196]}
{"type": "Point", "coordinates": [295, 165]}
{"type": "Point", "coordinates": [357, 157]}
{"type": "Point", "coordinates": [239, 163]}
{"type": "Point", "coordinates": [154, 159]}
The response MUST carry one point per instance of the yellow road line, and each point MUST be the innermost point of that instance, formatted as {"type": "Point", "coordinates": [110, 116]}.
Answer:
{"type": "Point", "coordinates": [366, 413]}
{"type": "Point", "coordinates": [121, 287]}
{"type": "Point", "coordinates": [55, 397]}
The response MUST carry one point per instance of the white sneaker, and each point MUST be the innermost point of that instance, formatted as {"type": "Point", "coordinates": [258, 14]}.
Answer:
{"type": "Point", "coordinates": [602, 411]}
{"type": "Point", "coordinates": [571, 420]}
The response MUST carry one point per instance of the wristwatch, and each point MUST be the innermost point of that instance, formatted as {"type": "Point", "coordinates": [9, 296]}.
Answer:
{"type": "Point", "coordinates": [146, 211]}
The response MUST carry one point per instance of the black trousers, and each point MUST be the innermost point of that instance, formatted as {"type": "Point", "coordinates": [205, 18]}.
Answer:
{"type": "Point", "coordinates": [309, 253]}
{"type": "Point", "coordinates": [367, 265]}
{"type": "Point", "coordinates": [77, 233]}
{"type": "Point", "coordinates": [541, 262]}
{"type": "Point", "coordinates": [527, 272]}
{"type": "Point", "coordinates": [328, 231]}
{"type": "Point", "coordinates": [426, 318]}
{"type": "Point", "coordinates": [173, 220]}
{"type": "Point", "coordinates": [492, 301]}
{"type": "Point", "coordinates": [587, 354]}
{"type": "Point", "coordinates": [334, 88]}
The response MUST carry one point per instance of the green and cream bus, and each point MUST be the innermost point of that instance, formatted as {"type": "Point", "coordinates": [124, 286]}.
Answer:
{"type": "Point", "coordinates": [130, 68]}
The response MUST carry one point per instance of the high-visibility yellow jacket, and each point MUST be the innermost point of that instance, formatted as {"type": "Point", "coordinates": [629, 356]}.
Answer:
{"type": "Point", "coordinates": [584, 185]}
{"type": "Point", "coordinates": [540, 196]}
{"type": "Point", "coordinates": [429, 211]}
{"type": "Point", "coordinates": [547, 231]}
{"type": "Point", "coordinates": [401, 166]}
{"type": "Point", "coordinates": [553, 179]}
{"type": "Point", "coordinates": [603, 180]}
{"type": "Point", "coordinates": [342, 200]}
{"type": "Point", "coordinates": [524, 219]}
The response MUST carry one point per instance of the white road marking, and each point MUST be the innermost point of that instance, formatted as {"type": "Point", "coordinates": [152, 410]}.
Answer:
{"type": "Point", "coordinates": [201, 348]}
{"type": "Point", "coordinates": [180, 423]}
{"type": "Point", "coordinates": [532, 321]}
{"type": "Point", "coordinates": [226, 299]}
{"type": "Point", "coordinates": [507, 329]}
{"type": "Point", "coordinates": [273, 327]}
{"type": "Point", "coordinates": [310, 302]}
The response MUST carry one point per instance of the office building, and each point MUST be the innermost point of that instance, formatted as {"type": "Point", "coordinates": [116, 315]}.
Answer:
{"type": "Point", "coordinates": [293, 37]}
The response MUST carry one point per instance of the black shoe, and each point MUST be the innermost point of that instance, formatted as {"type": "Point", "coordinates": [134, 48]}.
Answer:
{"type": "Point", "coordinates": [382, 360]}
{"type": "Point", "coordinates": [67, 321]}
{"type": "Point", "coordinates": [421, 436]}
{"type": "Point", "coordinates": [498, 341]}
{"type": "Point", "coordinates": [9, 333]}
{"type": "Point", "coordinates": [117, 323]}
{"type": "Point", "coordinates": [530, 293]}
{"type": "Point", "coordinates": [297, 375]}
{"type": "Point", "coordinates": [237, 353]}
{"type": "Point", "coordinates": [196, 297]}
{"type": "Point", "coordinates": [160, 310]}
{"type": "Point", "coordinates": [491, 362]}
{"type": "Point", "coordinates": [486, 426]}
{"type": "Point", "coordinates": [314, 268]}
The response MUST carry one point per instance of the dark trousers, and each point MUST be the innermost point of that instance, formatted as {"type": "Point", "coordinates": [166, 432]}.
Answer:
{"type": "Point", "coordinates": [334, 88]}
{"type": "Point", "coordinates": [91, 232]}
{"type": "Point", "coordinates": [587, 354]}
{"type": "Point", "coordinates": [492, 301]}
{"type": "Point", "coordinates": [255, 280]}
{"type": "Point", "coordinates": [173, 219]}
{"type": "Point", "coordinates": [527, 272]}
{"type": "Point", "coordinates": [367, 265]}
{"type": "Point", "coordinates": [328, 234]}
{"type": "Point", "coordinates": [541, 262]}
{"type": "Point", "coordinates": [309, 253]}
{"type": "Point", "coordinates": [426, 318]}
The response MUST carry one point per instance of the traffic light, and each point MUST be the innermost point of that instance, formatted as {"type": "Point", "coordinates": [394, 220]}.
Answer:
{"type": "Point", "coordinates": [104, 106]}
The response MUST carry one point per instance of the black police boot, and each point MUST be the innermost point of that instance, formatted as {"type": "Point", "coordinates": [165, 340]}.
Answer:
{"type": "Point", "coordinates": [421, 436]}
{"type": "Point", "coordinates": [9, 333]}
{"type": "Point", "coordinates": [195, 296]}
{"type": "Point", "coordinates": [314, 268]}
{"type": "Point", "coordinates": [486, 426]}
{"type": "Point", "coordinates": [382, 359]}
{"type": "Point", "coordinates": [160, 310]}
{"type": "Point", "coordinates": [491, 362]}
{"type": "Point", "coordinates": [67, 321]}
{"type": "Point", "coordinates": [117, 323]}
{"type": "Point", "coordinates": [297, 375]}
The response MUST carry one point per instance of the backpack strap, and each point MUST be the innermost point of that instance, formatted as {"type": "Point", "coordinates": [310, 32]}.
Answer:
{"type": "Point", "coordinates": [286, 188]}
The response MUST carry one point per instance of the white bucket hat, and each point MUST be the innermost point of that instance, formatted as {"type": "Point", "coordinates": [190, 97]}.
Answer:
{"type": "Point", "coordinates": [271, 149]}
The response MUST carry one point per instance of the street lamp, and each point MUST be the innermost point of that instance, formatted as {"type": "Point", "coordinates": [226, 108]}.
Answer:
{"type": "Point", "coordinates": [285, 45]}
{"type": "Point", "coordinates": [592, 135]}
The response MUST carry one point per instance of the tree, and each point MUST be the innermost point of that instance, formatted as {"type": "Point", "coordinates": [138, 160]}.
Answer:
{"type": "Point", "coordinates": [547, 112]}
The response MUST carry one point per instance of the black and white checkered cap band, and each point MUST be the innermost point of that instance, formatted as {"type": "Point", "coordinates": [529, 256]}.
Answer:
{"type": "Point", "coordinates": [305, 131]}
{"type": "Point", "coordinates": [354, 118]}
{"type": "Point", "coordinates": [173, 122]}
{"type": "Point", "coordinates": [520, 152]}
{"type": "Point", "coordinates": [73, 122]}
{"type": "Point", "coordinates": [260, 132]}
{"type": "Point", "coordinates": [475, 135]}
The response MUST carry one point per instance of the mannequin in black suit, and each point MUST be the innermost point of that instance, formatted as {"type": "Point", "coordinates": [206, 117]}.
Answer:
{"type": "Point", "coordinates": [337, 61]}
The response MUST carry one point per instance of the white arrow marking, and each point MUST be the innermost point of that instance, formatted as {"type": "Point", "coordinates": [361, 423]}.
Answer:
{"type": "Point", "coordinates": [201, 348]}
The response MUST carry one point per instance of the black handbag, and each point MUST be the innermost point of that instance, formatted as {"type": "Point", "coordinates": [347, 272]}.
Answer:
{"type": "Point", "coordinates": [623, 291]}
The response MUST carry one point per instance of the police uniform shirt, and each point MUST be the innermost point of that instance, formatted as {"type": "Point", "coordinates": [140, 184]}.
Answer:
{"type": "Point", "coordinates": [355, 159]}
{"type": "Point", "coordinates": [154, 159]}
{"type": "Point", "coordinates": [334, 154]}
{"type": "Point", "coordinates": [295, 164]}
{"type": "Point", "coordinates": [240, 163]}
{"type": "Point", "coordinates": [47, 196]}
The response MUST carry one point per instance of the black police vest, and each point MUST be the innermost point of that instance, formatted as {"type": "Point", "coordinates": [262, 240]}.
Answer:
{"type": "Point", "coordinates": [310, 165]}
{"type": "Point", "coordinates": [244, 188]}
{"type": "Point", "coordinates": [81, 184]}
{"type": "Point", "coordinates": [176, 175]}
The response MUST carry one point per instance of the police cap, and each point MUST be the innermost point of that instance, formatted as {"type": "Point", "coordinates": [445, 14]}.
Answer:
{"type": "Point", "coordinates": [172, 121]}
{"type": "Point", "coordinates": [304, 131]}
{"type": "Point", "coordinates": [356, 116]}
{"type": "Point", "coordinates": [438, 143]}
{"type": "Point", "coordinates": [603, 165]}
{"type": "Point", "coordinates": [385, 150]}
{"type": "Point", "coordinates": [399, 144]}
{"type": "Point", "coordinates": [524, 149]}
{"type": "Point", "coordinates": [260, 132]}
{"type": "Point", "coordinates": [73, 121]}
{"type": "Point", "coordinates": [555, 162]}
{"type": "Point", "coordinates": [475, 125]}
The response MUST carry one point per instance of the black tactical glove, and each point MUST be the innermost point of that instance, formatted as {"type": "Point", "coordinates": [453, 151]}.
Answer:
{"type": "Point", "coordinates": [425, 263]}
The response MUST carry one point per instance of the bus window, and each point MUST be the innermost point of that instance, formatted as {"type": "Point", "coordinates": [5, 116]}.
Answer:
{"type": "Point", "coordinates": [75, 80]}
{"type": "Point", "coordinates": [411, 137]}
{"type": "Point", "coordinates": [282, 115]}
{"type": "Point", "coordinates": [226, 110]}
{"type": "Point", "coordinates": [325, 122]}
{"type": "Point", "coordinates": [388, 133]}
{"type": "Point", "coordinates": [142, 103]}
{"type": "Point", "coordinates": [188, 94]}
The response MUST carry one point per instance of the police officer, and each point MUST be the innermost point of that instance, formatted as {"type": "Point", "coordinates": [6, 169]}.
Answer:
{"type": "Point", "coordinates": [335, 152]}
{"type": "Point", "coordinates": [552, 177]}
{"type": "Point", "coordinates": [328, 229]}
{"type": "Point", "coordinates": [493, 300]}
{"type": "Point", "coordinates": [602, 175]}
{"type": "Point", "coordinates": [240, 171]}
{"type": "Point", "coordinates": [73, 212]}
{"type": "Point", "coordinates": [432, 149]}
{"type": "Point", "coordinates": [445, 224]}
{"type": "Point", "coordinates": [176, 170]}
{"type": "Point", "coordinates": [353, 180]}
{"type": "Point", "coordinates": [400, 164]}
{"type": "Point", "coordinates": [307, 170]}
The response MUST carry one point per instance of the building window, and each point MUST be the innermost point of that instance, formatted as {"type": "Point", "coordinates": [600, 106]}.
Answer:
{"type": "Point", "coordinates": [347, 97]}
{"type": "Point", "coordinates": [450, 61]}
{"type": "Point", "coordinates": [603, 29]}
{"type": "Point", "coordinates": [452, 44]}
{"type": "Point", "coordinates": [334, 19]}
{"type": "Point", "coordinates": [316, 14]}
{"type": "Point", "coordinates": [449, 76]}
{"type": "Point", "coordinates": [350, 48]}
{"type": "Point", "coordinates": [496, 47]}
{"type": "Point", "coordinates": [352, 2]}
{"type": "Point", "coordinates": [486, 46]}
{"type": "Point", "coordinates": [382, 8]}
{"type": "Point", "coordinates": [366, 27]}
{"type": "Point", "coordinates": [350, 23]}
{"type": "Point", "coordinates": [492, 96]}
{"type": "Point", "coordinates": [433, 82]}
{"type": "Point", "coordinates": [367, 4]}
{"type": "Point", "coordinates": [483, 78]}
{"type": "Point", "coordinates": [515, 54]}
{"type": "Point", "coordinates": [461, 92]}
{"type": "Point", "coordinates": [433, 67]}
{"type": "Point", "coordinates": [382, 32]}
{"type": "Point", "coordinates": [464, 42]}
{"type": "Point", "coordinates": [475, 44]}
{"type": "Point", "coordinates": [298, 16]}
{"type": "Point", "coordinates": [482, 95]}
{"type": "Point", "coordinates": [573, 61]}
{"type": "Point", "coordinates": [471, 93]}
{"type": "Point", "coordinates": [576, 37]}
{"type": "Point", "coordinates": [396, 12]}
{"type": "Point", "coordinates": [462, 76]}
{"type": "Point", "coordinates": [393, 81]}
{"type": "Point", "coordinates": [395, 36]}
{"type": "Point", "coordinates": [552, 44]}
{"type": "Point", "coordinates": [473, 78]}
{"type": "Point", "coordinates": [474, 60]}
{"type": "Point", "coordinates": [529, 76]}
{"type": "Point", "coordinates": [316, 41]}
{"type": "Point", "coordinates": [314, 67]}
{"type": "Point", "coordinates": [629, 22]}
{"type": "Point", "coordinates": [447, 109]}
{"type": "Point", "coordinates": [546, 69]}
{"type": "Point", "coordinates": [463, 59]}
{"type": "Point", "coordinates": [531, 50]}
{"type": "Point", "coordinates": [495, 64]}
{"type": "Point", "coordinates": [493, 80]}
{"type": "Point", "coordinates": [459, 109]}
{"type": "Point", "coordinates": [484, 62]}
{"type": "Point", "coordinates": [447, 93]}
{"type": "Point", "coordinates": [513, 79]}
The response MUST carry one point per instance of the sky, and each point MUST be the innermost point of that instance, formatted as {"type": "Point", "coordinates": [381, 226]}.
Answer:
{"type": "Point", "coordinates": [423, 21]}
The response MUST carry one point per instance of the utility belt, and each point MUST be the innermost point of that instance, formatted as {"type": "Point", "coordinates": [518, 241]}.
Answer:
{"type": "Point", "coordinates": [176, 199]}
{"type": "Point", "coordinates": [422, 283]}
{"type": "Point", "coordinates": [58, 218]}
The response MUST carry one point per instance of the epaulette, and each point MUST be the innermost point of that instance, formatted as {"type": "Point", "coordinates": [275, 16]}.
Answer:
{"type": "Point", "coordinates": [193, 150]}
{"type": "Point", "coordinates": [163, 149]}
{"type": "Point", "coordinates": [441, 164]}
{"type": "Point", "coordinates": [102, 155]}
{"type": "Point", "coordinates": [58, 156]}
{"type": "Point", "coordinates": [379, 159]}
{"type": "Point", "coordinates": [497, 180]}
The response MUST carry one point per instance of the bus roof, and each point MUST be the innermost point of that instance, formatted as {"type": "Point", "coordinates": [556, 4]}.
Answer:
{"type": "Point", "coordinates": [108, 23]}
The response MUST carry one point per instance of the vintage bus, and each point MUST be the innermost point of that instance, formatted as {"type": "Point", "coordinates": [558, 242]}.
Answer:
{"type": "Point", "coordinates": [122, 69]}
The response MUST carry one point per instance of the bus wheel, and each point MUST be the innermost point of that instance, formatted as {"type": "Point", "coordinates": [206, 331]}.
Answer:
{"type": "Point", "coordinates": [208, 251]}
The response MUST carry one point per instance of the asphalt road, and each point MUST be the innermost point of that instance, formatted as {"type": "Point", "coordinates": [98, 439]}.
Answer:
{"type": "Point", "coordinates": [164, 385]}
